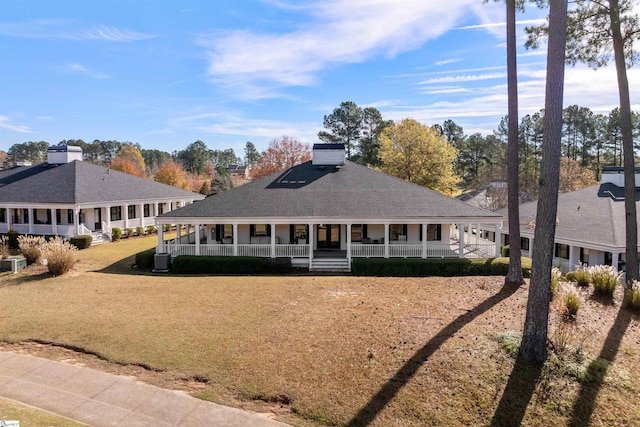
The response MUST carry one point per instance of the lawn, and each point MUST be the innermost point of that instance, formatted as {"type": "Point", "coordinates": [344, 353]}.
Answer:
{"type": "Point", "coordinates": [325, 350]}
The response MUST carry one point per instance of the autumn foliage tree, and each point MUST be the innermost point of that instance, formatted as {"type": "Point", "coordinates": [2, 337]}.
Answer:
{"type": "Point", "coordinates": [171, 173]}
{"type": "Point", "coordinates": [417, 153]}
{"type": "Point", "coordinates": [573, 176]}
{"type": "Point", "coordinates": [281, 154]}
{"type": "Point", "coordinates": [129, 160]}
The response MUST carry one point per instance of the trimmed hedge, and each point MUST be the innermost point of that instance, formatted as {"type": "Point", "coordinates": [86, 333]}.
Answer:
{"type": "Point", "coordinates": [189, 264]}
{"type": "Point", "coordinates": [145, 259]}
{"type": "Point", "coordinates": [81, 242]}
{"type": "Point", "coordinates": [116, 233]}
{"type": "Point", "coordinates": [504, 251]}
{"type": "Point", "coordinates": [447, 267]}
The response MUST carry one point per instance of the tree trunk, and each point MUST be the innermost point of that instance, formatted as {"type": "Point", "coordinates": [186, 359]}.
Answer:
{"type": "Point", "coordinates": [534, 336]}
{"type": "Point", "coordinates": [514, 275]}
{"type": "Point", "coordinates": [627, 145]}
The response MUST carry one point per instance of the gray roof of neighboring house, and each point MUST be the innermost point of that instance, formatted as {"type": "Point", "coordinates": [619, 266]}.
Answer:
{"type": "Point", "coordinates": [593, 215]}
{"type": "Point", "coordinates": [352, 191]}
{"type": "Point", "coordinates": [80, 182]}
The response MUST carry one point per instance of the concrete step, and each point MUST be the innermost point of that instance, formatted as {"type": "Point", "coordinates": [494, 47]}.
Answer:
{"type": "Point", "coordinates": [330, 264]}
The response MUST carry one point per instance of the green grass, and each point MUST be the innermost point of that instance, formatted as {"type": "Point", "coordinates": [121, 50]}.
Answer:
{"type": "Point", "coordinates": [325, 346]}
{"type": "Point", "coordinates": [29, 416]}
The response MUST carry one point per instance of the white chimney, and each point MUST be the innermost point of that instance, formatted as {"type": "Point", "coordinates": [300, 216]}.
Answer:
{"type": "Point", "coordinates": [61, 154]}
{"type": "Point", "coordinates": [328, 154]}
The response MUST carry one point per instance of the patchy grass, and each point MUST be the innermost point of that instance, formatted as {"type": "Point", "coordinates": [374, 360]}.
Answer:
{"type": "Point", "coordinates": [29, 416]}
{"type": "Point", "coordinates": [321, 350]}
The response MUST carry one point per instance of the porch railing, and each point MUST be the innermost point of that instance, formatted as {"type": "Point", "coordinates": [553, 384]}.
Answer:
{"type": "Point", "coordinates": [214, 250]}
{"type": "Point", "coordinates": [367, 251]}
{"type": "Point", "coordinates": [405, 250]}
{"type": "Point", "coordinates": [293, 251]}
{"type": "Point", "coordinates": [254, 250]}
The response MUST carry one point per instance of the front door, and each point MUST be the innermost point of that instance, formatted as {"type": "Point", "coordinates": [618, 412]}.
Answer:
{"type": "Point", "coordinates": [97, 216]}
{"type": "Point", "coordinates": [329, 236]}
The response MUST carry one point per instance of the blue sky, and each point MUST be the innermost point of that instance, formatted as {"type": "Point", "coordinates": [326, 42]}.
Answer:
{"type": "Point", "coordinates": [167, 73]}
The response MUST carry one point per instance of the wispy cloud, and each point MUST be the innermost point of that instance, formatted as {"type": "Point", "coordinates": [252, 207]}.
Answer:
{"type": "Point", "coordinates": [60, 29]}
{"type": "Point", "coordinates": [463, 78]}
{"type": "Point", "coordinates": [448, 61]}
{"type": "Point", "coordinates": [334, 32]}
{"type": "Point", "coordinates": [78, 68]}
{"type": "Point", "coordinates": [5, 123]}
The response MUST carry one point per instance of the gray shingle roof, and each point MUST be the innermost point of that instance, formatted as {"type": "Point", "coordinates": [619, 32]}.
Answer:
{"type": "Point", "coordinates": [593, 215]}
{"type": "Point", "coordinates": [79, 182]}
{"type": "Point", "coordinates": [350, 191]}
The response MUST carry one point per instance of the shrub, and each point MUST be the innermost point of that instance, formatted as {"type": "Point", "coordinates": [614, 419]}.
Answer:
{"type": "Point", "coordinates": [556, 276]}
{"type": "Point", "coordinates": [151, 229]}
{"type": "Point", "coordinates": [632, 296]}
{"type": "Point", "coordinates": [145, 259]}
{"type": "Point", "coordinates": [572, 305]}
{"type": "Point", "coordinates": [504, 251]}
{"type": "Point", "coordinates": [128, 232]}
{"type": "Point", "coordinates": [81, 242]}
{"type": "Point", "coordinates": [4, 247]}
{"type": "Point", "coordinates": [581, 276]}
{"type": "Point", "coordinates": [189, 264]}
{"type": "Point", "coordinates": [60, 256]}
{"type": "Point", "coordinates": [605, 278]}
{"type": "Point", "coordinates": [116, 233]}
{"type": "Point", "coordinates": [30, 247]}
{"type": "Point", "coordinates": [166, 227]}
{"type": "Point", "coordinates": [139, 231]}
{"type": "Point", "coordinates": [418, 267]}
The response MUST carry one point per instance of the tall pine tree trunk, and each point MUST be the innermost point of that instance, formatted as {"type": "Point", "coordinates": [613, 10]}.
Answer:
{"type": "Point", "coordinates": [534, 336]}
{"type": "Point", "coordinates": [627, 145]}
{"type": "Point", "coordinates": [514, 275]}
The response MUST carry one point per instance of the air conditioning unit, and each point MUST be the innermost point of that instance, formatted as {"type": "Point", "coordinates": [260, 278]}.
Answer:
{"type": "Point", "coordinates": [161, 263]}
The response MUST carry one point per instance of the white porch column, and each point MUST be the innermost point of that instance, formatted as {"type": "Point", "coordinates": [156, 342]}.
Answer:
{"type": "Point", "coordinates": [155, 210]}
{"type": "Point", "coordinates": [76, 219]}
{"type": "Point", "coordinates": [108, 216]}
{"type": "Point", "coordinates": [125, 208]}
{"type": "Point", "coordinates": [572, 258]}
{"type": "Point", "coordinates": [386, 240]}
{"type": "Point", "coordinates": [461, 241]}
{"type": "Point", "coordinates": [615, 259]}
{"type": "Point", "coordinates": [273, 240]}
{"type": "Point", "coordinates": [177, 240]}
{"type": "Point", "coordinates": [498, 238]}
{"type": "Point", "coordinates": [196, 232]}
{"type": "Point", "coordinates": [349, 242]}
{"type": "Point", "coordinates": [9, 218]}
{"type": "Point", "coordinates": [30, 214]}
{"type": "Point", "coordinates": [160, 238]}
{"type": "Point", "coordinates": [235, 239]}
{"type": "Point", "coordinates": [424, 240]}
{"type": "Point", "coordinates": [477, 235]}
{"type": "Point", "coordinates": [531, 247]}
{"type": "Point", "coordinates": [54, 222]}
{"type": "Point", "coordinates": [141, 215]}
{"type": "Point", "coordinates": [311, 237]}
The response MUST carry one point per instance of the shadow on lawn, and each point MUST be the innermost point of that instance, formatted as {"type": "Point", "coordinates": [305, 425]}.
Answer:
{"type": "Point", "coordinates": [389, 390]}
{"type": "Point", "coordinates": [584, 404]}
{"type": "Point", "coordinates": [123, 266]}
{"type": "Point", "coordinates": [517, 394]}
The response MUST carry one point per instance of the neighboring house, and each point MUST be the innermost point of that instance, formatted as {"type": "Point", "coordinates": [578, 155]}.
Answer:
{"type": "Point", "coordinates": [238, 171]}
{"type": "Point", "coordinates": [66, 196]}
{"type": "Point", "coordinates": [325, 212]}
{"type": "Point", "coordinates": [590, 224]}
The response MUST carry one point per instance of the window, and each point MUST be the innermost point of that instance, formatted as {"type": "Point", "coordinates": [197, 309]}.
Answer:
{"type": "Point", "coordinates": [160, 208]}
{"type": "Point", "coordinates": [20, 216]}
{"type": "Point", "coordinates": [300, 232]}
{"type": "Point", "coordinates": [70, 216]}
{"type": "Point", "coordinates": [434, 232]}
{"type": "Point", "coordinates": [3, 215]}
{"type": "Point", "coordinates": [506, 239]}
{"type": "Point", "coordinates": [608, 258]}
{"type": "Point", "coordinates": [131, 211]}
{"type": "Point", "coordinates": [227, 230]}
{"type": "Point", "coordinates": [584, 256]}
{"type": "Point", "coordinates": [356, 233]}
{"type": "Point", "coordinates": [116, 213]}
{"type": "Point", "coordinates": [397, 230]}
{"type": "Point", "coordinates": [524, 243]}
{"type": "Point", "coordinates": [260, 230]}
{"type": "Point", "coordinates": [562, 251]}
{"type": "Point", "coordinates": [147, 210]}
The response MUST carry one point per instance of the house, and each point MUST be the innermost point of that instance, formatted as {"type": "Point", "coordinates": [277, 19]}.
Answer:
{"type": "Point", "coordinates": [241, 171]}
{"type": "Point", "coordinates": [590, 224]}
{"type": "Point", "coordinates": [66, 196]}
{"type": "Point", "coordinates": [327, 211]}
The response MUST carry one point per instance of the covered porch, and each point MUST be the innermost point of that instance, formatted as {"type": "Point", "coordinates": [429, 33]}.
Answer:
{"type": "Point", "coordinates": [314, 242]}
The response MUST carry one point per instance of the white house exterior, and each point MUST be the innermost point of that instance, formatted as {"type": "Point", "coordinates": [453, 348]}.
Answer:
{"type": "Point", "coordinates": [590, 224]}
{"type": "Point", "coordinates": [66, 196]}
{"type": "Point", "coordinates": [325, 212]}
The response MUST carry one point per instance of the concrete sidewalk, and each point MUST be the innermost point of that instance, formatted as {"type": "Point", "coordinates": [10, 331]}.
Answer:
{"type": "Point", "coordinates": [99, 399]}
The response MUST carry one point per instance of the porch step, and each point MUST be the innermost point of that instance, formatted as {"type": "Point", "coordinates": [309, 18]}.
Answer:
{"type": "Point", "coordinates": [330, 264]}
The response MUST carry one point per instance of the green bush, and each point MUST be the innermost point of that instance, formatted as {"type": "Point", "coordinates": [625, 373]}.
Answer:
{"type": "Point", "coordinates": [632, 296]}
{"type": "Point", "coordinates": [166, 227]}
{"type": "Point", "coordinates": [504, 251]}
{"type": "Point", "coordinates": [145, 259]}
{"type": "Point", "coordinates": [139, 231]}
{"type": "Point", "coordinates": [116, 233]}
{"type": "Point", "coordinates": [13, 239]}
{"type": "Point", "coordinates": [556, 276]}
{"type": "Point", "coordinates": [128, 232]}
{"type": "Point", "coordinates": [81, 242]}
{"type": "Point", "coordinates": [572, 305]}
{"type": "Point", "coordinates": [582, 277]}
{"type": "Point", "coordinates": [189, 264]}
{"type": "Point", "coordinates": [448, 267]}
{"type": "Point", "coordinates": [151, 229]}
